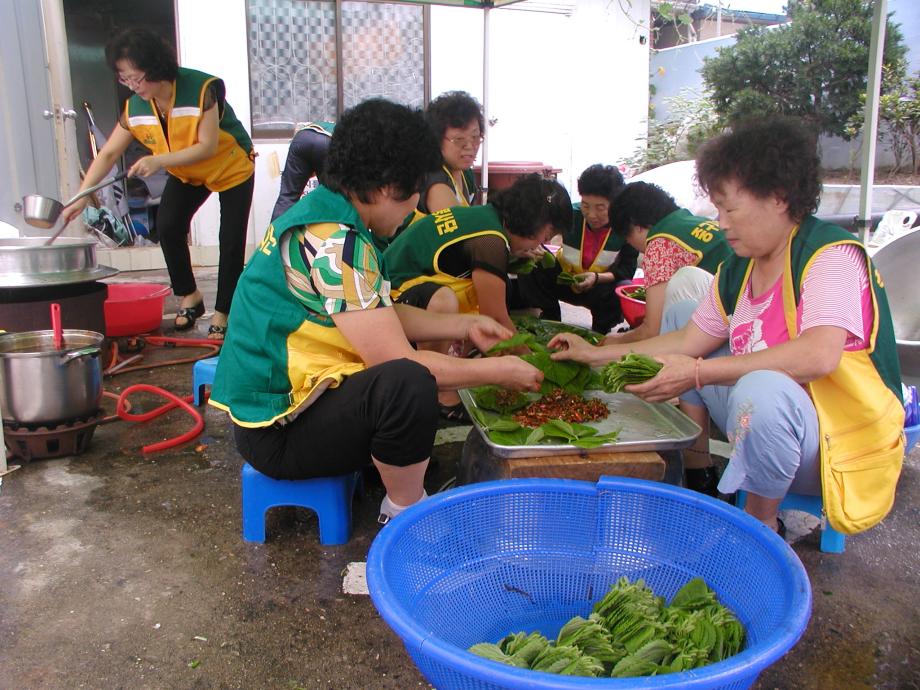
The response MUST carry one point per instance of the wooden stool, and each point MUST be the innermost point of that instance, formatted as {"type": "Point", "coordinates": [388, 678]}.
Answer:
{"type": "Point", "coordinates": [479, 464]}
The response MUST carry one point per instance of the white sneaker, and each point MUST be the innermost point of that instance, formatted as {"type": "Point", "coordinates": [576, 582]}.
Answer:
{"type": "Point", "coordinates": [389, 510]}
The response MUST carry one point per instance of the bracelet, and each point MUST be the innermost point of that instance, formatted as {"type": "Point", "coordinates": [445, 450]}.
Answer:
{"type": "Point", "coordinates": [696, 372]}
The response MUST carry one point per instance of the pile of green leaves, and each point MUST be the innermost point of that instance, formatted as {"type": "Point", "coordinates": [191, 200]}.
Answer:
{"type": "Point", "coordinates": [572, 377]}
{"type": "Point", "coordinates": [522, 266]}
{"type": "Point", "coordinates": [631, 368]}
{"type": "Point", "coordinates": [566, 278]}
{"type": "Point", "coordinates": [544, 330]}
{"type": "Point", "coordinates": [500, 400]}
{"type": "Point", "coordinates": [630, 632]}
{"type": "Point", "coordinates": [504, 431]}
{"type": "Point", "coordinates": [637, 293]}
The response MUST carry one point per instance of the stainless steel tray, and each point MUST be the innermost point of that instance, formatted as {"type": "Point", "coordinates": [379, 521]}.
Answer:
{"type": "Point", "coordinates": [14, 280]}
{"type": "Point", "coordinates": [643, 426]}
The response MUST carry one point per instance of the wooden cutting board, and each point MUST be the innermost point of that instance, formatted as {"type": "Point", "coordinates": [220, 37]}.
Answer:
{"type": "Point", "coordinates": [479, 464]}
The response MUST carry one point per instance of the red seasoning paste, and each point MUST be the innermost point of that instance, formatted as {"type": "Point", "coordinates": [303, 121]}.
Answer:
{"type": "Point", "coordinates": [561, 405]}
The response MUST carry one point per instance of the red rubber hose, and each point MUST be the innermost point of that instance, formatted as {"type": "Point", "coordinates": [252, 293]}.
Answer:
{"type": "Point", "coordinates": [122, 410]}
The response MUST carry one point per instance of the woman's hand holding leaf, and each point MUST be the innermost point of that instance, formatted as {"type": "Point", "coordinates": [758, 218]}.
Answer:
{"type": "Point", "coordinates": [485, 332]}
{"type": "Point", "coordinates": [584, 282]}
{"type": "Point", "coordinates": [515, 374]}
{"type": "Point", "coordinates": [571, 346]}
{"type": "Point", "coordinates": [677, 376]}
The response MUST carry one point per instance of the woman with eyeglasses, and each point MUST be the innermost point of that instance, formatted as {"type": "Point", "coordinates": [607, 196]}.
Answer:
{"type": "Point", "coordinates": [182, 116]}
{"type": "Point", "coordinates": [456, 119]}
{"type": "Point", "coordinates": [596, 257]}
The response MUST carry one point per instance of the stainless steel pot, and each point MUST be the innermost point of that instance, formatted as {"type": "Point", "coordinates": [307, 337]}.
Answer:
{"type": "Point", "coordinates": [40, 384]}
{"type": "Point", "coordinates": [897, 262]}
{"type": "Point", "coordinates": [27, 262]}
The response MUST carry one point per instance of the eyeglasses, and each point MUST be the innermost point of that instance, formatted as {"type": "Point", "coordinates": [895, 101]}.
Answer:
{"type": "Point", "coordinates": [131, 82]}
{"type": "Point", "coordinates": [464, 142]}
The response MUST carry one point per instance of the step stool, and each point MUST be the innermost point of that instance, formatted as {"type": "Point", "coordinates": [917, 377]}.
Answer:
{"type": "Point", "coordinates": [832, 541]}
{"type": "Point", "coordinates": [203, 375]}
{"type": "Point", "coordinates": [329, 497]}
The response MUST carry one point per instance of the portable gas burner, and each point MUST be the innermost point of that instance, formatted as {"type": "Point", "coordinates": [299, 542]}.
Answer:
{"type": "Point", "coordinates": [40, 441]}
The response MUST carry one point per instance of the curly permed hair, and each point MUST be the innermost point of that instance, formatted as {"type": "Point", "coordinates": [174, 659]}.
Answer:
{"type": "Point", "coordinates": [453, 109]}
{"type": "Point", "coordinates": [601, 180]}
{"type": "Point", "coordinates": [642, 204]}
{"type": "Point", "coordinates": [149, 52]}
{"type": "Point", "coordinates": [765, 156]}
{"type": "Point", "coordinates": [377, 144]}
{"type": "Point", "coordinates": [532, 202]}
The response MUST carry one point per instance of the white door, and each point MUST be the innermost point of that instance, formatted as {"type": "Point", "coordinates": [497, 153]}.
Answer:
{"type": "Point", "coordinates": [37, 133]}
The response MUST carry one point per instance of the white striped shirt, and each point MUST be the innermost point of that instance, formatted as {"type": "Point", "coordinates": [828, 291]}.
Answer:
{"type": "Point", "coordinates": [836, 292]}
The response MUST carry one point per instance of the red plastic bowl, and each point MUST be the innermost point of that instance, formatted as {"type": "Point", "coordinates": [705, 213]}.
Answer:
{"type": "Point", "coordinates": [633, 309]}
{"type": "Point", "coordinates": [134, 308]}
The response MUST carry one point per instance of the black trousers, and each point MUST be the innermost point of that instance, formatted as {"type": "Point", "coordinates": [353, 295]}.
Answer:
{"type": "Point", "coordinates": [389, 411]}
{"type": "Point", "coordinates": [539, 289]}
{"type": "Point", "coordinates": [178, 204]}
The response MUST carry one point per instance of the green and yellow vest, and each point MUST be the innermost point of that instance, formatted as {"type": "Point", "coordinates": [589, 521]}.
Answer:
{"type": "Point", "coordinates": [320, 127]}
{"type": "Point", "coordinates": [278, 353]}
{"type": "Point", "coordinates": [573, 242]}
{"type": "Point", "coordinates": [859, 406]}
{"type": "Point", "coordinates": [413, 257]}
{"type": "Point", "coordinates": [697, 235]}
{"type": "Point", "coordinates": [233, 162]}
{"type": "Point", "coordinates": [464, 195]}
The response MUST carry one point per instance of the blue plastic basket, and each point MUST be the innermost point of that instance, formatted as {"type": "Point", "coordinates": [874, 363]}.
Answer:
{"type": "Point", "coordinates": [912, 434]}
{"type": "Point", "coordinates": [476, 563]}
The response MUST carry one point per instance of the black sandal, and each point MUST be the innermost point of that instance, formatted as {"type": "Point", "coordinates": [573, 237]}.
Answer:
{"type": "Point", "coordinates": [190, 314]}
{"type": "Point", "coordinates": [705, 480]}
{"type": "Point", "coordinates": [454, 413]}
{"type": "Point", "coordinates": [214, 329]}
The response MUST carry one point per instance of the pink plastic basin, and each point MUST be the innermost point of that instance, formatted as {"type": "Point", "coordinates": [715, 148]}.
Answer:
{"type": "Point", "coordinates": [134, 308]}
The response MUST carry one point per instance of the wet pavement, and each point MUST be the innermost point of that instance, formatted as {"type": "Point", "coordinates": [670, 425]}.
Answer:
{"type": "Point", "coordinates": [121, 570]}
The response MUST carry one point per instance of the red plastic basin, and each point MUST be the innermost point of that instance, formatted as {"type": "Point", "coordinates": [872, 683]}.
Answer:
{"type": "Point", "coordinates": [134, 308]}
{"type": "Point", "coordinates": [633, 309]}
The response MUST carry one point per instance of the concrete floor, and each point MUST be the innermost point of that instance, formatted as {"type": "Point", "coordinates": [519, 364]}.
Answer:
{"type": "Point", "coordinates": [124, 571]}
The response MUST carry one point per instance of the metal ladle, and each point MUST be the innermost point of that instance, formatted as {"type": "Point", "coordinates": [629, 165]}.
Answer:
{"type": "Point", "coordinates": [43, 211]}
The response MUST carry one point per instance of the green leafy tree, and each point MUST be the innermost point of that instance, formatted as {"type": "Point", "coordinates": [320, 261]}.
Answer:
{"type": "Point", "coordinates": [691, 122]}
{"type": "Point", "coordinates": [899, 119]}
{"type": "Point", "coordinates": [815, 67]}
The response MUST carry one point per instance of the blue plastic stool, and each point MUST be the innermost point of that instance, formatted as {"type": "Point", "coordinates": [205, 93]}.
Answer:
{"type": "Point", "coordinates": [329, 497]}
{"type": "Point", "coordinates": [203, 375]}
{"type": "Point", "coordinates": [832, 541]}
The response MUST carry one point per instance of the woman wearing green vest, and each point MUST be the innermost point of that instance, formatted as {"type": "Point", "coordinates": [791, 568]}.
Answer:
{"type": "Point", "coordinates": [598, 258]}
{"type": "Point", "coordinates": [682, 251]}
{"type": "Point", "coordinates": [456, 260]}
{"type": "Point", "coordinates": [318, 373]}
{"type": "Point", "coordinates": [792, 354]}
{"type": "Point", "coordinates": [182, 116]}
{"type": "Point", "coordinates": [456, 119]}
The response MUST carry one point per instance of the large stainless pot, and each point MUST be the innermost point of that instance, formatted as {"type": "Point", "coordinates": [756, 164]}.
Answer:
{"type": "Point", "coordinates": [27, 262]}
{"type": "Point", "coordinates": [897, 262]}
{"type": "Point", "coordinates": [40, 384]}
